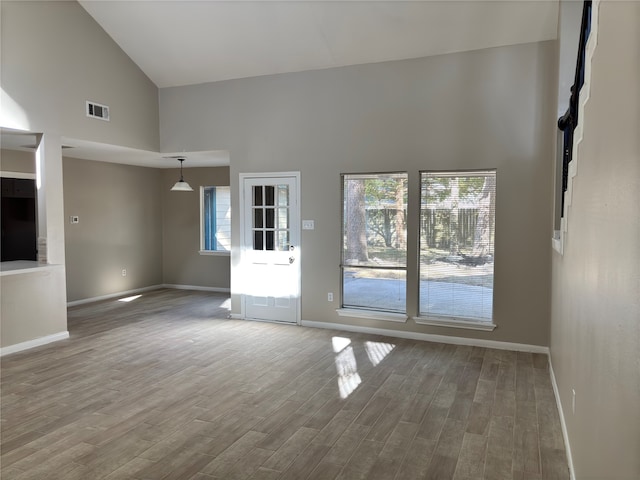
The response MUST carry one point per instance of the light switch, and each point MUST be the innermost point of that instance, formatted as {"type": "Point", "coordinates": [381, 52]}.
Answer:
{"type": "Point", "coordinates": [74, 219]}
{"type": "Point", "coordinates": [308, 224]}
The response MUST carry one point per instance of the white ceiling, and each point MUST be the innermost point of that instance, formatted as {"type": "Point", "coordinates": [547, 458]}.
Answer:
{"type": "Point", "coordinates": [189, 42]}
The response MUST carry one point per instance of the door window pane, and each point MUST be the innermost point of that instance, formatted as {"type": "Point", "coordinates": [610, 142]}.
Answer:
{"type": "Point", "coordinates": [270, 218]}
{"type": "Point", "coordinates": [283, 195]}
{"type": "Point", "coordinates": [258, 218]}
{"type": "Point", "coordinates": [269, 244]}
{"type": "Point", "coordinates": [257, 195]}
{"type": "Point", "coordinates": [269, 195]}
{"type": "Point", "coordinates": [283, 218]}
{"type": "Point", "coordinates": [257, 240]}
{"type": "Point", "coordinates": [283, 240]}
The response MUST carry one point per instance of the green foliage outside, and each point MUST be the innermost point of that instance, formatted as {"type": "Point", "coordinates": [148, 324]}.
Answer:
{"type": "Point", "coordinates": [457, 218]}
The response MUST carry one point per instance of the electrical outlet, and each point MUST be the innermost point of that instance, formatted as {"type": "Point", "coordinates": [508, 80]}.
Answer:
{"type": "Point", "coordinates": [124, 272]}
{"type": "Point", "coordinates": [74, 219]}
{"type": "Point", "coordinates": [330, 297]}
{"type": "Point", "coordinates": [573, 401]}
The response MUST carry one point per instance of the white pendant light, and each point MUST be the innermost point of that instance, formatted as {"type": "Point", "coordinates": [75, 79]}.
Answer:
{"type": "Point", "coordinates": [181, 185]}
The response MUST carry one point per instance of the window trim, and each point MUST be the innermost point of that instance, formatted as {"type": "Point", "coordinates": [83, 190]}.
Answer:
{"type": "Point", "coordinates": [202, 250]}
{"type": "Point", "coordinates": [372, 314]}
{"type": "Point", "coordinates": [215, 253]}
{"type": "Point", "coordinates": [456, 322]}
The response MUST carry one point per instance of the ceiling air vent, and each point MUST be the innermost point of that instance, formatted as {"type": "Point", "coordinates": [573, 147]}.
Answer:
{"type": "Point", "coordinates": [95, 110]}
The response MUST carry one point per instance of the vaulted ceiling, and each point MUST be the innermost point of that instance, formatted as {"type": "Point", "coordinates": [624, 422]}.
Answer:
{"type": "Point", "coordinates": [184, 42]}
{"type": "Point", "coordinates": [189, 42]}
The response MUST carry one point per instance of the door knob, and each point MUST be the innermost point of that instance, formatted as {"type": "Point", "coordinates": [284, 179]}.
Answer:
{"type": "Point", "coordinates": [292, 259]}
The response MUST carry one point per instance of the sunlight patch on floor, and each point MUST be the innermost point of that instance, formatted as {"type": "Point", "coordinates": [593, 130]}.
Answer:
{"type": "Point", "coordinates": [347, 368]}
{"type": "Point", "coordinates": [376, 351]}
{"type": "Point", "coordinates": [129, 299]}
{"type": "Point", "coordinates": [339, 343]}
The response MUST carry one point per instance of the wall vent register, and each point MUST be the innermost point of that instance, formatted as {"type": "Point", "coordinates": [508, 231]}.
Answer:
{"type": "Point", "coordinates": [95, 110]}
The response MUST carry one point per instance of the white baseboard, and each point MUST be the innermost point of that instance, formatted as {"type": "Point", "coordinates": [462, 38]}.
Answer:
{"type": "Point", "coordinates": [565, 433]}
{"type": "Point", "coordinates": [36, 342]}
{"type": "Point", "coordinates": [146, 289]}
{"type": "Point", "coordinates": [196, 287]}
{"type": "Point", "coordinates": [427, 337]}
{"type": "Point", "coordinates": [113, 295]}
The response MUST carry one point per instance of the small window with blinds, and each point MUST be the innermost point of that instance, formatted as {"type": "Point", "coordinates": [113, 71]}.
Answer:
{"type": "Point", "coordinates": [215, 219]}
{"type": "Point", "coordinates": [457, 224]}
{"type": "Point", "coordinates": [374, 242]}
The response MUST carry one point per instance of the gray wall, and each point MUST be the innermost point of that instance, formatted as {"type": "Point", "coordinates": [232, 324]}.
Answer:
{"type": "Point", "coordinates": [595, 334]}
{"type": "Point", "coordinates": [33, 305]}
{"type": "Point", "coordinates": [120, 210]}
{"type": "Point", "coordinates": [182, 264]}
{"type": "Point", "coordinates": [130, 219]}
{"type": "Point", "coordinates": [484, 109]}
{"type": "Point", "coordinates": [17, 161]}
{"type": "Point", "coordinates": [54, 58]}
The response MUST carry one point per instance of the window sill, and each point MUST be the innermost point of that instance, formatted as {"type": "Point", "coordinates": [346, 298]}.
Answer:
{"type": "Point", "coordinates": [456, 323]}
{"type": "Point", "coordinates": [215, 253]}
{"type": "Point", "coordinates": [372, 315]}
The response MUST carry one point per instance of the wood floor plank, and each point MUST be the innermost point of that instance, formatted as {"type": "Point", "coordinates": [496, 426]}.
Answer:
{"type": "Point", "coordinates": [392, 455]}
{"type": "Point", "coordinates": [472, 457]}
{"type": "Point", "coordinates": [169, 387]}
{"type": "Point", "coordinates": [441, 467]}
{"type": "Point", "coordinates": [225, 461]}
{"type": "Point", "coordinates": [335, 428]}
{"type": "Point", "coordinates": [246, 466]}
{"type": "Point", "coordinates": [348, 442]}
{"type": "Point", "coordinates": [325, 471]}
{"type": "Point", "coordinates": [433, 422]}
{"type": "Point", "coordinates": [362, 461]}
{"type": "Point", "coordinates": [417, 459]}
{"type": "Point", "coordinates": [287, 453]}
{"type": "Point", "coordinates": [306, 462]}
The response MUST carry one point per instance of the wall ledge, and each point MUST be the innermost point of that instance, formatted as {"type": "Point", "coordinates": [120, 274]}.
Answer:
{"type": "Point", "coordinates": [36, 342]}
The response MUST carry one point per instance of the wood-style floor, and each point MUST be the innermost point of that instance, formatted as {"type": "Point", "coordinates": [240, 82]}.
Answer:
{"type": "Point", "coordinates": [166, 387]}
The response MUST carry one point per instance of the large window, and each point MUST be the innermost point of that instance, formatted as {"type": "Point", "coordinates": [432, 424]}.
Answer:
{"type": "Point", "coordinates": [215, 219]}
{"type": "Point", "coordinates": [374, 242]}
{"type": "Point", "coordinates": [457, 219]}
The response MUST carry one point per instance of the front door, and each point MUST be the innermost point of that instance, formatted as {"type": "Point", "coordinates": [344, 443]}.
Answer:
{"type": "Point", "coordinates": [270, 247]}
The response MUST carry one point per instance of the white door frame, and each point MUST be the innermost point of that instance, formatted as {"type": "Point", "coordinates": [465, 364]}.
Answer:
{"type": "Point", "coordinates": [296, 210]}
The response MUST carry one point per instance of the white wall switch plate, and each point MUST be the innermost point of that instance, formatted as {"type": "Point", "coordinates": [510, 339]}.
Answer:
{"type": "Point", "coordinates": [308, 224]}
